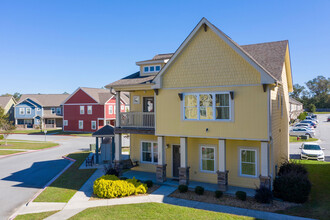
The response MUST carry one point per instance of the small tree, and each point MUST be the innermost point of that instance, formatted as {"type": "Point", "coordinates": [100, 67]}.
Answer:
{"type": "Point", "coordinates": [5, 128]}
{"type": "Point", "coordinates": [312, 108]}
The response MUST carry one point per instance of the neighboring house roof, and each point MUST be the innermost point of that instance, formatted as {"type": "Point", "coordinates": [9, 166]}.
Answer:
{"type": "Point", "coordinates": [293, 101]}
{"type": "Point", "coordinates": [45, 100]}
{"type": "Point", "coordinates": [4, 100]}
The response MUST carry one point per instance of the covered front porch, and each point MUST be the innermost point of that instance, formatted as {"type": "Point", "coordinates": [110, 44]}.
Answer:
{"type": "Point", "coordinates": [192, 184]}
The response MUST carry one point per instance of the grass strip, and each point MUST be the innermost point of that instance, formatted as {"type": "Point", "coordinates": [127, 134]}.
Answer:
{"type": "Point", "coordinates": [35, 216]}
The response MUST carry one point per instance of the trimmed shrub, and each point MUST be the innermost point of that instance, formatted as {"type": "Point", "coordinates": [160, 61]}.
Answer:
{"type": "Point", "coordinates": [123, 178]}
{"type": "Point", "coordinates": [241, 195]}
{"type": "Point", "coordinates": [199, 190]}
{"type": "Point", "coordinates": [1, 137]}
{"type": "Point", "coordinates": [263, 195]}
{"type": "Point", "coordinates": [218, 194]}
{"type": "Point", "coordinates": [111, 171]}
{"type": "Point", "coordinates": [183, 188]}
{"type": "Point", "coordinates": [302, 116]}
{"type": "Point", "coordinates": [288, 166]}
{"type": "Point", "coordinates": [149, 183]}
{"type": "Point", "coordinates": [110, 186]}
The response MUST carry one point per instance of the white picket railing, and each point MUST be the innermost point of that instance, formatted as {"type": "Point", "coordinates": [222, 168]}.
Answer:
{"type": "Point", "coordinates": [137, 119]}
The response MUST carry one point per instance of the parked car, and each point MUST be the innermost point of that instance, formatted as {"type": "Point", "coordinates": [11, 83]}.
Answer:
{"type": "Point", "coordinates": [309, 122]}
{"type": "Point", "coordinates": [304, 125]}
{"type": "Point", "coordinates": [314, 116]}
{"type": "Point", "coordinates": [313, 119]}
{"type": "Point", "coordinates": [302, 131]}
{"type": "Point", "coordinates": [311, 151]}
{"type": "Point", "coordinates": [329, 118]}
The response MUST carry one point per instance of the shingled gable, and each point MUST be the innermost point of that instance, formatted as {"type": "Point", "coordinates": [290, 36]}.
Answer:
{"type": "Point", "coordinates": [45, 100]}
{"type": "Point", "coordinates": [266, 76]}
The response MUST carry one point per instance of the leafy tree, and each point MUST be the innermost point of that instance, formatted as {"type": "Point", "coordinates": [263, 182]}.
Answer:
{"type": "Point", "coordinates": [297, 91]}
{"type": "Point", "coordinates": [65, 93]}
{"type": "Point", "coordinates": [6, 127]}
{"type": "Point", "coordinates": [17, 96]}
{"type": "Point", "coordinates": [311, 108]}
{"type": "Point", "coordinates": [319, 85]}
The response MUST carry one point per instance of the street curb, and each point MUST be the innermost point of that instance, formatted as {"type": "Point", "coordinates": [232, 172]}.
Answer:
{"type": "Point", "coordinates": [26, 152]}
{"type": "Point", "coordinates": [72, 161]}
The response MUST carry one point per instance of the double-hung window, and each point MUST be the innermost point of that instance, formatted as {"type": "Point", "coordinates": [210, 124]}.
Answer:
{"type": "Point", "coordinates": [110, 109]}
{"type": "Point", "coordinates": [65, 122]}
{"type": "Point", "coordinates": [82, 110]}
{"type": "Point", "coordinates": [22, 111]}
{"type": "Point", "coordinates": [28, 111]}
{"type": "Point", "coordinates": [207, 156]}
{"type": "Point", "coordinates": [149, 152]}
{"type": "Point", "coordinates": [58, 111]}
{"type": "Point", "coordinates": [53, 110]}
{"type": "Point", "coordinates": [81, 124]}
{"type": "Point", "coordinates": [207, 106]}
{"type": "Point", "coordinates": [248, 162]}
{"type": "Point", "coordinates": [89, 110]}
{"type": "Point", "coordinates": [93, 125]}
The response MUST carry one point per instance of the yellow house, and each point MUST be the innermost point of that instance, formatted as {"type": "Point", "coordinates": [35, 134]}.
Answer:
{"type": "Point", "coordinates": [7, 103]}
{"type": "Point", "coordinates": [213, 111]}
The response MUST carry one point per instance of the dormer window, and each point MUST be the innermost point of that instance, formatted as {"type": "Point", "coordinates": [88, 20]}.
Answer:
{"type": "Point", "coordinates": [151, 69]}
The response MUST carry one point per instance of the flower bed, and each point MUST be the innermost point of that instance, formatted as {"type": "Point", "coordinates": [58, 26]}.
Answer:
{"type": "Point", "coordinates": [110, 186]}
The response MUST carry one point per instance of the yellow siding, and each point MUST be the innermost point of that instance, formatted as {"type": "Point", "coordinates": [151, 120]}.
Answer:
{"type": "Point", "coordinates": [208, 61]}
{"type": "Point", "coordinates": [232, 155]}
{"type": "Point", "coordinates": [250, 115]}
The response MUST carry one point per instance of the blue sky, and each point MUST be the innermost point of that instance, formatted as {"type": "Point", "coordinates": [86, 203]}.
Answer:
{"type": "Point", "coordinates": [57, 46]}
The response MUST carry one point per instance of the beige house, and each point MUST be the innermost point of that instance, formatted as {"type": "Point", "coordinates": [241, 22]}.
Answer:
{"type": "Point", "coordinates": [213, 111]}
{"type": "Point", "coordinates": [8, 103]}
{"type": "Point", "coordinates": [296, 108]}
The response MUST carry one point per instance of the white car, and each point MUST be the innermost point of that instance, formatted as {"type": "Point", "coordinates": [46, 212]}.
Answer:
{"type": "Point", "coordinates": [311, 151]}
{"type": "Point", "coordinates": [302, 131]}
{"type": "Point", "coordinates": [313, 119]}
{"type": "Point", "coordinates": [304, 125]}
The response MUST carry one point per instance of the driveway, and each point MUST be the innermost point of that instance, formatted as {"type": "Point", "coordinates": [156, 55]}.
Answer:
{"type": "Point", "coordinates": [322, 133]}
{"type": "Point", "coordinates": [21, 176]}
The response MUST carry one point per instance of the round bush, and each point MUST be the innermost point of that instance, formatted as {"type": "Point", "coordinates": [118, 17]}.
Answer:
{"type": "Point", "coordinates": [287, 167]}
{"type": "Point", "coordinates": [149, 183]}
{"type": "Point", "coordinates": [292, 187]}
{"type": "Point", "coordinates": [112, 171]}
{"type": "Point", "coordinates": [263, 195]}
{"type": "Point", "coordinates": [218, 194]}
{"type": "Point", "coordinates": [183, 188]}
{"type": "Point", "coordinates": [1, 137]}
{"type": "Point", "coordinates": [110, 186]}
{"type": "Point", "coordinates": [199, 190]}
{"type": "Point", "coordinates": [241, 195]}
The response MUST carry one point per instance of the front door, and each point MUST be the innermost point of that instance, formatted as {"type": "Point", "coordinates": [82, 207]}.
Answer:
{"type": "Point", "coordinates": [176, 160]}
{"type": "Point", "coordinates": [148, 106]}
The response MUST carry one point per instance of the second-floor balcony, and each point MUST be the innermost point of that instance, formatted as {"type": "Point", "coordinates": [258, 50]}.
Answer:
{"type": "Point", "coordinates": [137, 119]}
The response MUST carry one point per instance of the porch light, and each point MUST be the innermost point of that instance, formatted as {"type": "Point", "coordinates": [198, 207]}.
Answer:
{"type": "Point", "coordinates": [232, 95]}
{"type": "Point", "coordinates": [180, 96]}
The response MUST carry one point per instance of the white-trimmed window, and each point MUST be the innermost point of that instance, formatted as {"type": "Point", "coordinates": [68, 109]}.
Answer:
{"type": "Point", "coordinates": [82, 110]}
{"type": "Point", "coordinates": [89, 110]}
{"type": "Point", "coordinates": [110, 109]}
{"type": "Point", "coordinates": [53, 110]}
{"type": "Point", "coordinates": [28, 111]}
{"type": "Point", "coordinates": [151, 69]}
{"type": "Point", "coordinates": [93, 125]}
{"type": "Point", "coordinates": [248, 162]}
{"type": "Point", "coordinates": [38, 109]}
{"type": "Point", "coordinates": [149, 152]}
{"type": "Point", "coordinates": [207, 106]}
{"type": "Point", "coordinates": [58, 111]}
{"type": "Point", "coordinates": [207, 159]}
{"type": "Point", "coordinates": [22, 111]}
{"type": "Point", "coordinates": [65, 122]}
{"type": "Point", "coordinates": [81, 124]}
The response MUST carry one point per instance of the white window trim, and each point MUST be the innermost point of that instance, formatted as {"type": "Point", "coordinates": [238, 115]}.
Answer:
{"type": "Point", "coordinates": [110, 109]}
{"type": "Point", "coordinates": [91, 108]}
{"type": "Point", "coordinates": [82, 109]}
{"type": "Point", "coordinates": [256, 159]}
{"type": "Point", "coordinates": [65, 122]}
{"type": "Point", "coordinates": [82, 124]}
{"type": "Point", "coordinates": [27, 111]}
{"type": "Point", "coordinates": [53, 111]}
{"type": "Point", "coordinates": [231, 105]}
{"type": "Point", "coordinates": [281, 105]}
{"type": "Point", "coordinates": [22, 111]}
{"type": "Point", "coordinates": [58, 111]}
{"type": "Point", "coordinates": [200, 158]}
{"type": "Point", "coordinates": [152, 152]}
{"type": "Point", "coordinates": [92, 125]}
{"type": "Point", "coordinates": [155, 71]}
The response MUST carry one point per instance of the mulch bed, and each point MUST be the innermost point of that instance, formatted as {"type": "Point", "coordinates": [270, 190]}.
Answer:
{"type": "Point", "coordinates": [149, 191]}
{"type": "Point", "coordinates": [230, 200]}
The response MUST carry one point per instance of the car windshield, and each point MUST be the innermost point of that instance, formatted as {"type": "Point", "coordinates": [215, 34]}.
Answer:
{"type": "Point", "coordinates": [312, 147]}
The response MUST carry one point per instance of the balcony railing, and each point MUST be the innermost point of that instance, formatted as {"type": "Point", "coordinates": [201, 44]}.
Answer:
{"type": "Point", "coordinates": [137, 119]}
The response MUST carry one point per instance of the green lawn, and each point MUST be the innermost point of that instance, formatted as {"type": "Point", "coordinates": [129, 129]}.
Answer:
{"type": "Point", "coordinates": [35, 216]}
{"type": "Point", "coordinates": [151, 211]}
{"type": "Point", "coordinates": [71, 133]}
{"type": "Point", "coordinates": [322, 113]}
{"type": "Point", "coordinates": [26, 145]}
{"type": "Point", "coordinates": [52, 131]}
{"type": "Point", "coordinates": [62, 189]}
{"type": "Point", "coordinates": [294, 139]}
{"type": "Point", "coordinates": [318, 206]}
{"type": "Point", "coordinates": [7, 152]}
{"type": "Point", "coordinates": [33, 131]}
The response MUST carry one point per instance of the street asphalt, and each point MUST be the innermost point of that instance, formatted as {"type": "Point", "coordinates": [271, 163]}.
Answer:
{"type": "Point", "coordinates": [22, 176]}
{"type": "Point", "coordinates": [322, 133]}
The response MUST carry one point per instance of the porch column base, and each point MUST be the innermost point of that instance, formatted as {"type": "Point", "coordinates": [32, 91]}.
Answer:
{"type": "Point", "coordinates": [223, 180]}
{"type": "Point", "coordinates": [161, 173]}
{"type": "Point", "coordinates": [184, 175]}
{"type": "Point", "coordinates": [265, 181]}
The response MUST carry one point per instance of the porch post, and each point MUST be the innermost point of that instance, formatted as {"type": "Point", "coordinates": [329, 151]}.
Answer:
{"type": "Point", "coordinates": [265, 179]}
{"type": "Point", "coordinates": [118, 151]}
{"type": "Point", "coordinates": [161, 167]}
{"type": "Point", "coordinates": [97, 150]}
{"type": "Point", "coordinates": [117, 108]}
{"type": "Point", "coordinates": [184, 169]}
{"type": "Point", "coordinates": [222, 172]}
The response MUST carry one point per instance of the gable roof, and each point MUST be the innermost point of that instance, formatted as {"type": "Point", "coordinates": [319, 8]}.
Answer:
{"type": "Point", "coordinates": [4, 100]}
{"type": "Point", "coordinates": [45, 100]}
{"type": "Point", "coordinates": [294, 101]}
{"type": "Point", "coordinates": [133, 79]}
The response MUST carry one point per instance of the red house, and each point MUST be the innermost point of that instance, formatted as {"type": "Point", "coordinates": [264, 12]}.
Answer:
{"type": "Point", "coordinates": [88, 109]}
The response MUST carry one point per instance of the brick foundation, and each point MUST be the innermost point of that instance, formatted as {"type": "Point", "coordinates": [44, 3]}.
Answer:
{"type": "Point", "coordinates": [184, 175]}
{"type": "Point", "coordinates": [265, 181]}
{"type": "Point", "coordinates": [161, 173]}
{"type": "Point", "coordinates": [223, 180]}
